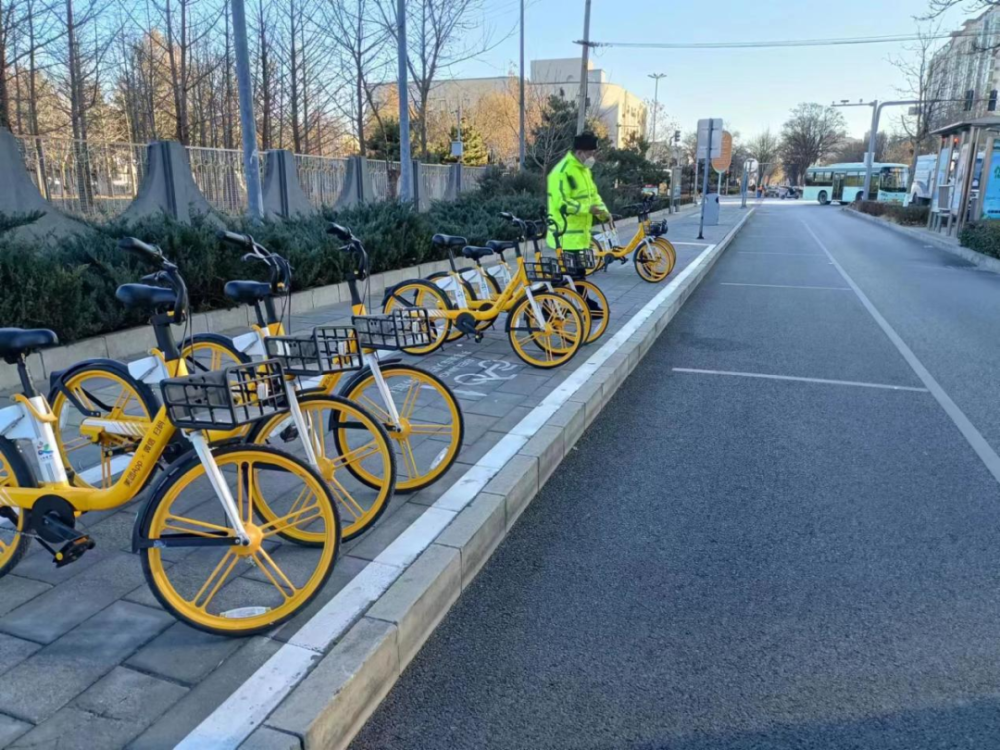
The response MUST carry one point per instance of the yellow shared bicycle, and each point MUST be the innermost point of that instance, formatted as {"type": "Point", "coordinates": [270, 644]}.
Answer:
{"type": "Point", "coordinates": [206, 552]}
{"type": "Point", "coordinates": [421, 416]}
{"type": "Point", "coordinates": [653, 255]}
{"type": "Point", "coordinates": [545, 328]}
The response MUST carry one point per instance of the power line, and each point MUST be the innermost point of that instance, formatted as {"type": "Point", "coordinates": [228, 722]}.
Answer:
{"type": "Point", "coordinates": [783, 42]}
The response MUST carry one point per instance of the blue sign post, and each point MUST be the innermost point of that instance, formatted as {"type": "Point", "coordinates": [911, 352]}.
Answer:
{"type": "Point", "coordinates": [991, 196]}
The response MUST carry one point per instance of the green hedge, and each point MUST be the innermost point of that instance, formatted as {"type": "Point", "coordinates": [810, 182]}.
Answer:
{"type": "Point", "coordinates": [911, 216]}
{"type": "Point", "coordinates": [983, 237]}
{"type": "Point", "coordinates": [69, 285]}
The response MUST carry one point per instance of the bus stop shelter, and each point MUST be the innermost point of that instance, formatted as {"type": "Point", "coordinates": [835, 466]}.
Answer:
{"type": "Point", "coordinates": [965, 185]}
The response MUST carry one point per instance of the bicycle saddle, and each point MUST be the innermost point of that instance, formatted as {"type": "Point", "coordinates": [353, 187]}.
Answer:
{"type": "Point", "coordinates": [145, 297]}
{"type": "Point", "coordinates": [448, 240]}
{"type": "Point", "coordinates": [476, 253]}
{"type": "Point", "coordinates": [498, 246]}
{"type": "Point", "coordinates": [17, 341]}
{"type": "Point", "coordinates": [247, 292]}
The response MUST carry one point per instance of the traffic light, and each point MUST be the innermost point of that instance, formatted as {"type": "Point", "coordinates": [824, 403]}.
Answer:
{"type": "Point", "coordinates": [969, 96]}
{"type": "Point", "coordinates": [677, 136]}
{"type": "Point", "coordinates": [992, 106]}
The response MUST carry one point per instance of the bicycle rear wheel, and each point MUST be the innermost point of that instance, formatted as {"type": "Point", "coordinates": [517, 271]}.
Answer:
{"type": "Point", "coordinates": [235, 590]}
{"type": "Point", "coordinates": [654, 260]}
{"type": "Point", "coordinates": [598, 307]}
{"type": "Point", "coordinates": [14, 472]}
{"type": "Point", "coordinates": [553, 341]}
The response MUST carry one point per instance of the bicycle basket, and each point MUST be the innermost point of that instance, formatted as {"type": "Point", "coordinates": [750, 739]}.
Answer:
{"type": "Point", "coordinates": [546, 269]}
{"type": "Point", "coordinates": [577, 261]}
{"type": "Point", "coordinates": [330, 349]}
{"type": "Point", "coordinates": [400, 329]}
{"type": "Point", "coordinates": [658, 228]}
{"type": "Point", "coordinates": [226, 399]}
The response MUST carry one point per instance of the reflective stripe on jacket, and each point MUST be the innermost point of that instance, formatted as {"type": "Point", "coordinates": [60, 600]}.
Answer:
{"type": "Point", "coordinates": [571, 187]}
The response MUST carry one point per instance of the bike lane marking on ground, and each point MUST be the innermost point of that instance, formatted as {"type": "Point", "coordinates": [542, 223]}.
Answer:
{"type": "Point", "coordinates": [975, 438]}
{"type": "Point", "coordinates": [822, 381]}
{"type": "Point", "coordinates": [255, 699]}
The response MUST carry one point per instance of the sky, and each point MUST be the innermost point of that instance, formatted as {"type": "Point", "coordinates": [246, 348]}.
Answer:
{"type": "Point", "coordinates": [751, 89]}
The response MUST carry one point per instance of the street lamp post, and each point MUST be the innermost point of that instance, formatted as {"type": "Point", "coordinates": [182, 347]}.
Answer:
{"type": "Point", "coordinates": [656, 100]}
{"type": "Point", "coordinates": [520, 149]}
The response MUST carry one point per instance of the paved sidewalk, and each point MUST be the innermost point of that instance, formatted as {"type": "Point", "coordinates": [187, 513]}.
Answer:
{"type": "Point", "coordinates": [89, 659]}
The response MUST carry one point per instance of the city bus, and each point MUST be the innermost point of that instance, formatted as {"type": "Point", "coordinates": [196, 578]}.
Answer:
{"type": "Point", "coordinates": [846, 182]}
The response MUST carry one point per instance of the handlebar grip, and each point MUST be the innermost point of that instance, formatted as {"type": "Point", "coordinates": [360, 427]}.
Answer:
{"type": "Point", "coordinates": [340, 232]}
{"type": "Point", "coordinates": [137, 246]}
{"type": "Point", "coordinates": [507, 215]}
{"type": "Point", "coordinates": [234, 238]}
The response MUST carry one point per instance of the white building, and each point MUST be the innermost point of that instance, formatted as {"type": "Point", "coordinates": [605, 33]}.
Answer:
{"type": "Point", "coordinates": [968, 61]}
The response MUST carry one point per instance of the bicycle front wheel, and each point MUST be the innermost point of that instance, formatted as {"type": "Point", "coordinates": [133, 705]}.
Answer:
{"type": "Point", "coordinates": [235, 590]}
{"type": "Point", "coordinates": [14, 472]}
{"type": "Point", "coordinates": [597, 305]}
{"type": "Point", "coordinates": [423, 294]}
{"type": "Point", "coordinates": [429, 436]}
{"type": "Point", "coordinates": [654, 260]}
{"type": "Point", "coordinates": [348, 441]}
{"type": "Point", "coordinates": [551, 341]}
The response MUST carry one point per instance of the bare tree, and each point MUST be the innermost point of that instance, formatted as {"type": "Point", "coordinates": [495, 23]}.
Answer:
{"type": "Point", "coordinates": [808, 136]}
{"type": "Point", "coordinates": [765, 148]}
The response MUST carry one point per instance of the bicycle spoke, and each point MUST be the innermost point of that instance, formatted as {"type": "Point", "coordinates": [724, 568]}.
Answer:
{"type": "Point", "coordinates": [430, 428]}
{"type": "Point", "coordinates": [221, 572]}
{"type": "Point", "coordinates": [410, 401]}
{"type": "Point", "coordinates": [376, 409]}
{"type": "Point", "coordinates": [300, 517]}
{"type": "Point", "coordinates": [411, 460]}
{"type": "Point", "coordinates": [345, 498]}
{"type": "Point", "coordinates": [355, 455]}
{"type": "Point", "coordinates": [208, 527]}
{"type": "Point", "coordinates": [267, 565]}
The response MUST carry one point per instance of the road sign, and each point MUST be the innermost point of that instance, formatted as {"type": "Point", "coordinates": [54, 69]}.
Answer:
{"type": "Point", "coordinates": [716, 128]}
{"type": "Point", "coordinates": [721, 163]}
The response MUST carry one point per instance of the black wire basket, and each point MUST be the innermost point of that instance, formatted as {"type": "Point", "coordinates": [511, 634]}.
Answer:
{"type": "Point", "coordinates": [226, 399]}
{"type": "Point", "coordinates": [400, 329]}
{"type": "Point", "coordinates": [658, 228]}
{"type": "Point", "coordinates": [330, 349]}
{"type": "Point", "coordinates": [546, 269]}
{"type": "Point", "coordinates": [577, 261]}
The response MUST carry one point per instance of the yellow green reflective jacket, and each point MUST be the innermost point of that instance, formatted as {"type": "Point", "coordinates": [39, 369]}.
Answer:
{"type": "Point", "coordinates": [571, 187]}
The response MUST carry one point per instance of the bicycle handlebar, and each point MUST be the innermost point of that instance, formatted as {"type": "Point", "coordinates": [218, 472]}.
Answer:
{"type": "Point", "coordinates": [149, 253]}
{"type": "Point", "coordinates": [234, 238]}
{"type": "Point", "coordinates": [281, 270]}
{"type": "Point", "coordinates": [166, 274]}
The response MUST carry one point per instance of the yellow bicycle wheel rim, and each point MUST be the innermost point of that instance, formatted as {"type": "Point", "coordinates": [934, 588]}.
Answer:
{"type": "Point", "coordinates": [652, 261]}
{"type": "Point", "coordinates": [599, 319]}
{"type": "Point", "coordinates": [210, 354]}
{"type": "Point", "coordinates": [580, 304]}
{"type": "Point", "coordinates": [417, 464]}
{"type": "Point", "coordinates": [555, 343]}
{"type": "Point", "coordinates": [420, 295]}
{"type": "Point", "coordinates": [95, 460]}
{"type": "Point", "coordinates": [671, 252]}
{"type": "Point", "coordinates": [293, 589]}
{"type": "Point", "coordinates": [359, 507]}
{"type": "Point", "coordinates": [11, 539]}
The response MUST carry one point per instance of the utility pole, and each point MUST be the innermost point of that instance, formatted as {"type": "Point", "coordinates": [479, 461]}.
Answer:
{"type": "Point", "coordinates": [520, 158]}
{"type": "Point", "coordinates": [581, 115]}
{"type": "Point", "coordinates": [248, 125]}
{"type": "Point", "coordinates": [704, 190]}
{"type": "Point", "coordinates": [405, 160]}
{"type": "Point", "coordinates": [656, 101]}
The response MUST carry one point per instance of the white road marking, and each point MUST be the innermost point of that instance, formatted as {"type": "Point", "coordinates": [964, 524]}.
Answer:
{"type": "Point", "coordinates": [823, 381]}
{"type": "Point", "coordinates": [762, 252]}
{"type": "Point", "coordinates": [787, 286]}
{"type": "Point", "coordinates": [253, 701]}
{"type": "Point", "coordinates": [699, 244]}
{"type": "Point", "coordinates": [975, 438]}
{"type": "Point", "coordinates": [462, 392]}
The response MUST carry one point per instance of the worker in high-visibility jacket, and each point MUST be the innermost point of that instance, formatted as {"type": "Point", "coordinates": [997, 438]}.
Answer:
{"type": "Point", "coordinates": [574, 202]}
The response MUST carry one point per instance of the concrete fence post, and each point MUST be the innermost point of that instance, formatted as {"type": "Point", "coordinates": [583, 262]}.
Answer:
{"type": "Point", "coordinates": [417, 187]}
{"type": "Point", "coordinates": [20, 196]}
{"type": "Point", "coordinates": [168, 186]}
{"type": "Point", "coordinates": [366, 193]}
{"type": "Point", "coordinates": [454, 182]}
{"type": "Point", "coordinates": [349, 193]}
{"type": "Point", "coordinates": [283, 195]}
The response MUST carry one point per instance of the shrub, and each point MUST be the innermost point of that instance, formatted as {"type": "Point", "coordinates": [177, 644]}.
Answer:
{"type": "Point", "coordinates": [905, 215]}
{"type": "Point", "coordinates": [983, 237]}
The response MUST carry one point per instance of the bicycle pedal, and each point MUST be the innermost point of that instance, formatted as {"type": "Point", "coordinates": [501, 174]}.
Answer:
{"type": "Point", "coordinates": [73, 550]}
{"type": "Point", "coordinates": [289, 434]}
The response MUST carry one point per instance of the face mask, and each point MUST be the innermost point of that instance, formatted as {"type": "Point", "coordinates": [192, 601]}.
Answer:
{"type": "Point", "coordinates": [589, 163]}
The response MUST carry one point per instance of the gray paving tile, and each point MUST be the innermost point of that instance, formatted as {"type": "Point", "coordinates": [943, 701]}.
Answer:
{"type": "Point", "coordinates": [15, 591]}
{"type": "Point", "coordinates": [383, 533]}
{"type": "Point", "coordinates": [13, 651]}
{"type": "Point", "coordinates": [476, 425]}
{"type": "Point", "coordinates": [183, 654]}
{"type": "Point", "coordinates": [38, 565]}
{"type": "Point", "coordinates": [495, 404]}
{"type": "Point", "coordinates": [50, 615]}
{"type": "Point", "coordinates": [11, 729]}
{"type": "Point", "coordinates": [53, 676]}
{"type": "Point", "coordinates": [345, 571]}
{"type": "Point", "coordinates": [108, 715]}
{"type": "Point", "coordinates": [190, 710]}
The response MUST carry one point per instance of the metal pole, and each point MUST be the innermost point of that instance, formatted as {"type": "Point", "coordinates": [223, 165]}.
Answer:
{"type": "Point", "coordinates": [694, 187]}
{"type": "Point", "coordinates": [704, 191]}
{"type": "Point", "coordinates": [870, 156]}
{"type": "Point", "coordinates": [405, 163]}
{"type": "Point", "coordinates": [656, 100]}
{"type": "Point", "coordinates": [521, 94]}
{"type": "Point", "coordinates": [744, 184]}
{"type": "Point", "coordinates": [581, 115]}
{"type": "Point", "coordinates": [248, 125]}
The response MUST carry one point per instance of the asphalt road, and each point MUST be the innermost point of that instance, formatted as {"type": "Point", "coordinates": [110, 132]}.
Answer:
{"type": "Point", "coordinates": [742, 562]}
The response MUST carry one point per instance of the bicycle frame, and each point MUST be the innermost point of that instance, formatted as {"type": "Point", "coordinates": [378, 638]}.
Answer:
{"type": "Point", "coordinates": [490, 309]}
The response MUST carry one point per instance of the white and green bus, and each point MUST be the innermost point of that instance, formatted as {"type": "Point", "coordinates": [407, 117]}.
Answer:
{"type": "Point", "coordinates": [846, 182]}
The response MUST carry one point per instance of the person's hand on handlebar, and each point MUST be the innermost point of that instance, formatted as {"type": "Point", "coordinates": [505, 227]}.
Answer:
{"type": "Point", "coordinates": [600, 213]}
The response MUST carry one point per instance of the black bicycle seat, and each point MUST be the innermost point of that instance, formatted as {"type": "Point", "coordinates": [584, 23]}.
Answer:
{"type": "Point", "coordinates": [17, 341]}
{"type": "Point", "coordinates": [476, 253]}
{"type": "Point", "coordinates": [448, 240]}
{"type": "Point", "coordinates": [145, 297]}
{"type": "Point", "coordinates": [498, 246]}
{"type": "Point", "coordinates": [247, 292]}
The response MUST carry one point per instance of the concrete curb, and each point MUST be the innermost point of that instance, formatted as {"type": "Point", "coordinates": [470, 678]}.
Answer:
{"type": "Point", "coordinates": [915, 233]}
{"type": "Point", "coordinates": [332, 704]}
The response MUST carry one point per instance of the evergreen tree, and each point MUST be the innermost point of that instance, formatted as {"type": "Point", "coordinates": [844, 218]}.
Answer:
{"type": "Point", "coordinates": [474, 151]}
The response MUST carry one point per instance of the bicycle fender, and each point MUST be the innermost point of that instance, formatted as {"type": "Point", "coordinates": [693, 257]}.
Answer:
{"type": "Point", "coordinates": [144, 517]}
{"type": "Point", "coordinates": [58, 378]}
{"type": "Point", "coordinates": [423, 282]}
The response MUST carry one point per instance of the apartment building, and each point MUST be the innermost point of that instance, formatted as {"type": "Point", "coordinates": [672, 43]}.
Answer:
{"type": "Point", "coordinates": [968, 61]}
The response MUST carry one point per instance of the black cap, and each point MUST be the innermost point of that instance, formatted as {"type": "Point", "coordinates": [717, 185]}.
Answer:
{"type": "Point", "coordinates": [586, 141]}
